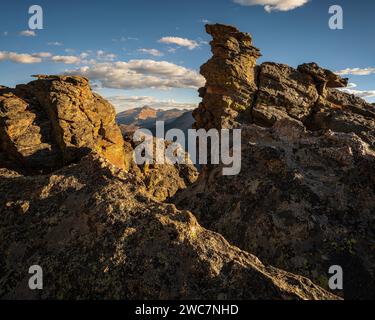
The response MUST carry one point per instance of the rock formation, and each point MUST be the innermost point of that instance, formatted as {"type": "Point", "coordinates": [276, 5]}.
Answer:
{"type": "Point", "coordinates": [230, 76]}
{"type": "Point", "coordinates": [74, 202]}
{"type": "Point", "coordinates": [96, 222]}
{"type": "Point", "coordinates": [55, 121]}
{"type": "Point", "coordinates": [98, 235]}
{"type": "Point", "coordinates": [304, 199]}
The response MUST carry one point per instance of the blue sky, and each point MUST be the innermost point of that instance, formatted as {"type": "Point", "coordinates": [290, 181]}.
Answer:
{"type": "Point", "coordinates": [149, 52]}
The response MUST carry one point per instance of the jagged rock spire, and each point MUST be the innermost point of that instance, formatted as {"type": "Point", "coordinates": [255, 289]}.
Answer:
{"type": "Point", "coordinates": [230, 76]}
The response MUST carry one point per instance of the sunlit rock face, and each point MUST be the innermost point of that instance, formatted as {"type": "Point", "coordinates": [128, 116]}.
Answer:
{"type": "Point", "coordinates": [55, 121]}
{"type": "Point", "coordinates": [230, 75]}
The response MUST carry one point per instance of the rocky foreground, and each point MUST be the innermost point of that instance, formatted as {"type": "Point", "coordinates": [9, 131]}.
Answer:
{"type": "Point", "coordinates": [102, 227]}
{"type": "Point", "coordinates": [98, 234]}
{"type": "Point", "coordinates": [305, 198]}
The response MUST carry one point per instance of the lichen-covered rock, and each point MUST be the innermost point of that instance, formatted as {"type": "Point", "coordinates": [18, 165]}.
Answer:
{"type": "Point", "coordinates": [26, 134]}
{"type": "Point", "coordinates": [98, 235]}
{"type": "Point", "coordinates": [323, 78]}
{"type": "Point", "coordinates": [163, 181]}
{"type": "Point", "coordinates": [308, 95]}
{"type": "Point", "coordinates": [230, 76]}
{"type": "Point", "coordinates": [305, 197]}
{"type": "Point", "coordinates": [56, 120]}
{"type": "Point", "coordinates": [341, 112]}
{"type": "Point", "coordinates": [302, 202]}
{"type": "Point", "coordinates": [284, 92]}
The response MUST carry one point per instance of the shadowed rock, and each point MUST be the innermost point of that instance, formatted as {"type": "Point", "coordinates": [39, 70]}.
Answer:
{"type": "Point", "coordinates": [323, 77]}
{"type": "Point", "coordinates": [97, 235]}
{"type": "Point", "coordinates": [304, 199]}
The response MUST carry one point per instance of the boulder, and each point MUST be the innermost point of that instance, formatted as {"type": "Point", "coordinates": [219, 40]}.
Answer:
{"type": "Point", "coordinates": [55, 121]}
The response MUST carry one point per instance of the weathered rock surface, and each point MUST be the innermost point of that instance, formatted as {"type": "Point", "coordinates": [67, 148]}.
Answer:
{"type": "Point", "coordinates": [26, 134]}
{"type": "Point", "coordinates": [342, 112]}
{"type": "Point", "coordinates": [284, 92]}
{"type": "Point", "coordinates": [308, 95]}
{"type": "Point", "coordinates": [97, 235]}
{"type": "Point", "coordinates": [162, 181]}
{"type": "Point", "coordinates": [323, 77]}
{"type": "Point", "coordinates": [303, 201]}
{"type": "Point", "coordinates": [55, 121]}
{"type": "Point", "coordinates": [305, 198]}
{"type": "Point", "coordinates": [230, 76]}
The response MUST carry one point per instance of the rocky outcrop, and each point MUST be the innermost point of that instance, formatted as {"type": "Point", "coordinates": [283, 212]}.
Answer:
{"type": "Point", "coordinates": [302, 202]}
{"type": "Point", "coordinates": [230, 76]}
{"type": "Point", "coordinates": [162, 181]}
{"type": "Point", "coordinates": [55, 121]}
{"type": "Point", "coordinates": [98, 235]}
{"type": "Point", "coordinates": [323, 78]}
{"type": "Point", "coordinates": [308, 95]}
{"type": "Point", "coordinates": [237, 91]}
{"type": "Point", "coordinates": [304, 199]}
{"type": "Point", "coordinates": [342, 112]}
{"type": "Point", "coordinates": [283, 92]}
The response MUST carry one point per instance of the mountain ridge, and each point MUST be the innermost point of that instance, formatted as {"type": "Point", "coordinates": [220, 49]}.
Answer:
{"type": "Point", "coordinates": [146, 117]}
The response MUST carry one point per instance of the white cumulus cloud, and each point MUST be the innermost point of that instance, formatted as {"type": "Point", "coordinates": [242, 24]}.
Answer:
{"type": "Point", "coordinates": [182, 42]}
{"type": "Point", "coordinates": [153, 52]}
{"type": "Point", "coordinates": [139, 74]}
{"type": "Point", "coordinates": [66, 59]}
{"type": "Point", "coordinates": [357, 71]}
{"type": "Point", "coordinates": [105, 56]}
{"type": "Point", "coordinates": [42, 54]}
{"type": "Point", "coordinates": [28, 33]}
{"type": "Point", "coordinates": [359, 93]}
{"type": "Point", "coordinates": [56, 43]}
{"type": "Point", "coordinates": [351, 85]}
{"type": "Point", "coordinates": [274, 5]}
{"type": "Point", "coordinates": [25, 58]}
